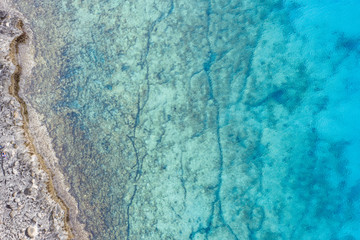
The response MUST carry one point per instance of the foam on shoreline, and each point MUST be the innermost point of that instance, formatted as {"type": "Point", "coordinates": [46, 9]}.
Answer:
{"type": "Point", "coordinates": [38, 140]}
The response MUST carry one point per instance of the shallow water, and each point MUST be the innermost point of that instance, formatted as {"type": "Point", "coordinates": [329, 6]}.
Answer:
{"type": "Point", "coordinates": [203, 119]}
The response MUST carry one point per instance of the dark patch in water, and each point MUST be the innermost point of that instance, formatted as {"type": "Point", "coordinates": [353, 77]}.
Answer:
{"type": "Point", "coordinates": [278, 95]}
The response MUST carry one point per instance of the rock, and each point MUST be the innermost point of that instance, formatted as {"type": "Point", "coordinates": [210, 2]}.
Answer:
{"type": "Point", "coordinates": [31, 232]}
{"type": "Point", "coordinates": [27, 191]}
{"type": "Point", "coordinates": [20, 184]}
{"type": "Point", "coordinates": [12, 213]}
{"type": "Point", "coordinates": [3, 14]}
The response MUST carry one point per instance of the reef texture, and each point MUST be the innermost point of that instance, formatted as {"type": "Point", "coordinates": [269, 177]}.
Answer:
{"type": "Point", "coordinates": [198, 120]}
{"type": "Point", "coordinates": [29, 208]}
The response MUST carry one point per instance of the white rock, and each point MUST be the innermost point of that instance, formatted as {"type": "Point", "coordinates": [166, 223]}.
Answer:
{"type": "Point", "coordinates": [31, 232]}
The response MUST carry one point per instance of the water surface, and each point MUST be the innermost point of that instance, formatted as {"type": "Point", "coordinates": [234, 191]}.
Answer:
{"type": "Point", "coordinates": [203, 119]}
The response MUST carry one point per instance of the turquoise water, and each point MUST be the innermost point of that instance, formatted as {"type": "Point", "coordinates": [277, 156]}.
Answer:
{"type": "Point", "coordinates": [204, 119]}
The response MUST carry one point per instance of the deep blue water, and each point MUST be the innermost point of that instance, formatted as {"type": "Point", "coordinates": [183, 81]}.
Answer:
{"type": "Point", "coordinates": [204, 119]}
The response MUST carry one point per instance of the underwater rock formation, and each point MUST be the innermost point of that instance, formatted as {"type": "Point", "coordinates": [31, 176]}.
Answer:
{"type": "Point", "coordinates": [219, 119]}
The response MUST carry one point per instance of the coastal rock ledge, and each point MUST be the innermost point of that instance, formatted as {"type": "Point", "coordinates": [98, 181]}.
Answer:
{"type": "Point", "coordinates": [29, 205]}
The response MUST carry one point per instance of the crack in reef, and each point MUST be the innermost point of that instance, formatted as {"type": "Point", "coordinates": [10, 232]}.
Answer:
{"type": "Point", "coordinates": [14, 91]}
{"type": "Point", "coordinates": [139, 161]}
{"type": "Point", "coordinates": [216, 208]}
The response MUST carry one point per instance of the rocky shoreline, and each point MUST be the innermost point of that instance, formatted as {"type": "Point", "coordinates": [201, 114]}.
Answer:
{"type": "Point", "coordinates": [35, 203]}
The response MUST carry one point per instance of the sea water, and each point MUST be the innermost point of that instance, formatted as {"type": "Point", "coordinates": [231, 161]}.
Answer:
{"type": "Point", "coordinates": [219, 119]}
